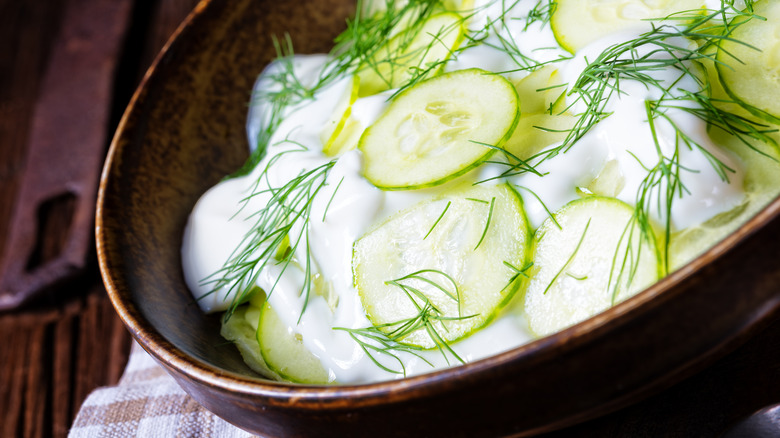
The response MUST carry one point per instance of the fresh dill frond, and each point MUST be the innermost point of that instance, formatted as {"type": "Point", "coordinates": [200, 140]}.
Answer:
{"type": "Point", "coordinates": [629, 264]}
{"type": "Point", "coordinates": [282, 89]}
{"type": "Point", "coordinates": [383, 43]}
{"type": "Point", "coordinates": [711, 110]}
{"type": "Point", "coordinates": [637, 59]}
{"type": "Point", "coordinates": [600, 80]}
{"type": "Point", "coordinates": [374, 341]}
{"type": "Point", "coordinates": [418, 275]}
{"type": "Point", "coordinates": [541, 13]}
{"type": "Point", "coordinates": [569, 260]}
{"type": "Point", "coordinates": [544, 206]}
{"type": "Point", "coordinates": [288, 206]}
{"type": "Point", "coordinates": [330, 201]}
{"type": "Point", "coordinates": [515, 165]}
{"type": "Point", "coordinates": [518, 272]}
{"type": "Point", "coordinates": [487, 223]}
{"type": "Point", "coordinates": [446, 207]}
{"type": "Point", "coordinates": [387, 340]}
{"type": "Point", "coordinates": [503, 38]}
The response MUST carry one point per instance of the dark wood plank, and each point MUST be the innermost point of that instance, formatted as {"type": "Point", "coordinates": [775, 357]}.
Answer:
{"type": "Point", "coordinates": [55, 353]}
{"type": "Point", "coordinates": [37, 382]}
{"type": "Point", "coordinates": [62, 409]}
{"type": "Point", "coordinates": [50, 235]}
{"type": "Point", "coordinates": [54, 359]}
{"type": "Point", "coordinates": [27, 31]}
{"type": "Point", "coordinates": [14, 352]}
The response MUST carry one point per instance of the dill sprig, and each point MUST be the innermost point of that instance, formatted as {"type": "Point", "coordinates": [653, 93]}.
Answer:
{"type": "Point", "coordinates": [629, 264]}
{"type": "Point", "coordinates": [282, 90]}
{"type": "Point", "coordinates": [635, 60]}
{"type": "Point", "coordinates": [541, 13]}
{"type": "Point", "coordinates": [330, 201]}
{"type": "Point", "coordinates": [711, 110]}
{"type": "Point", "coordinates": [517, 272]}
{"type": "Point", "coordinates": [504, 38]}
{"type": "Point", "coordinates": [487, 223]}
{"type": "Point", "coordinates": [272, 240]}
{"type": "Point", "coordinates": [376, 344]}
{"type": "Point", "coordinates": [515, 165]}
{"type": "Point", "coordinates": [382, 42]}
{"type": "Point", "coordinates": [387, 339]}
{"type": "Point", "coordinates": [356, 48]}
{"type": "Point", "coordinates": [544, 206]}
{"type": "Point", "coordinates": [569, 260]}
{"type": "Point", "coordinates": [446, 207]}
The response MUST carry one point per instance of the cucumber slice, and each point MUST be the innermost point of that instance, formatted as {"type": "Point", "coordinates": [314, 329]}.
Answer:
{"type": "Point", "coordinates": [761, 184]}
{"type": "Point", "coordinates": [753, 79]}
{"type": "Point", "coordinates": [535, 132]}
{"type": "Point", "coordinates": [577, 23]}
{"type": "Point", "coordinates": [417, 47]}
{"type": "Point", "coordinates": [342, 132]}
{"type": "Point", "coordinates": [542, 122]}
{"type": "Point", "coordinates": [541, 90]}
{"type": "Point", "coordinates": [241, 332]}
{"type": "Point", "coordinates": [430, 134]}
{"type": "Point", "coordinates": [284, 352]}
{"type": "Point", "coordinates": [458, 5]}
{"type": "Point", "coordinates": [577, 267]}
{"type": "Point", "coordinates": [465, 238]}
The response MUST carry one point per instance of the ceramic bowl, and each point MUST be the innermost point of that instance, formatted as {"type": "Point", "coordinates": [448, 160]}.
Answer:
{"type": "Point", "coordinates": [184, 130]}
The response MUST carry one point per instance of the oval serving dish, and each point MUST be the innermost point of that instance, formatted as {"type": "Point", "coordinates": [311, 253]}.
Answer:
{"type": "Point", "coordinates": [184, 130]}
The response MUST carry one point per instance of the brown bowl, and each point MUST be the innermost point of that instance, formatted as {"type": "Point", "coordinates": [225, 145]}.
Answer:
{"type": "Point", "coordinates": [184, 130]}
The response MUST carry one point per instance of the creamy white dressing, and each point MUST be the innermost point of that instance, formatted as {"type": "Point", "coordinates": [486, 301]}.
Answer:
{"type": "Point", "coordinates": [507, 27]}
{"type": "Point", "coordinates": [349, 206]}
{"type": "Point", "coordinates": [625, 138]}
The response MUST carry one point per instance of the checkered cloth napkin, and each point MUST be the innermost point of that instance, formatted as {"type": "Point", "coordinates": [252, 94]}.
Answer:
{"type": "Point", "coordinates": [147, 402]}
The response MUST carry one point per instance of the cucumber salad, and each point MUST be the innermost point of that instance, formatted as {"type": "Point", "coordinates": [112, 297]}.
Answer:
{"type": "Point", "coordinates": [457, 178]}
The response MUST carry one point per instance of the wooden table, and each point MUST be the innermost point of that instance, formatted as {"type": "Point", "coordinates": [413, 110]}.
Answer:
{"type": "Point", "coordinates": [55, 350]}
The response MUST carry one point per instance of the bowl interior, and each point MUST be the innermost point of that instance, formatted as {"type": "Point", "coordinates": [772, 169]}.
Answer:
{"type": "Point", "coordinates": [184, 132]}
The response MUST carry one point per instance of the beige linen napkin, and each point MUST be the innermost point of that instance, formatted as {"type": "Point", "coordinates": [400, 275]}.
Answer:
{"type": "Point", "coordinates": [147, 402]}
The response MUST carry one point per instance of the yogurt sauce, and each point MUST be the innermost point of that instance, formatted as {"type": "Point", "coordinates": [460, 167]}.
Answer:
{"type": "Point", "coordinates": [224, 215]}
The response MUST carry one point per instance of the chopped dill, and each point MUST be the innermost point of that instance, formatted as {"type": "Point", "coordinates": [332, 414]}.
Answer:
{"type": "Point", "coordinates": [288, 206]}
{"type": "Point", "coordinates": [542, 13]}
{"type": "Point", "coordinates": [327, 207]}
{"type": "Point", "coordinates": [387, 339]}
{"type": "Point", "coordinates": [544, 206]}
{"type": "Point", "coordinates": [487, 223]}
{"type": "Point", "coordinates": [518, 272]}
{"type": "Point", "coordinates": [569, 260]}
{"type": "Point", "coordinates": [446, 207]}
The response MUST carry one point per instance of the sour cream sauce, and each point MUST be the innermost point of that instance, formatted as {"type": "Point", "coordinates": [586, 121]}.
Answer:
{"type": "Point", "coordinates": [224, 214]}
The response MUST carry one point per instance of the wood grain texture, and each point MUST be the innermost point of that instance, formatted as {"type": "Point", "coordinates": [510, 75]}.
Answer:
{"type": "Point", "coordinates": [54, 352]}
{"type": "Point", "coordinates": [49, 238]}
{"type": "Point", "coordinates": [53, 358]}
{"type": "Point", "coordinates": [27, 30]}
